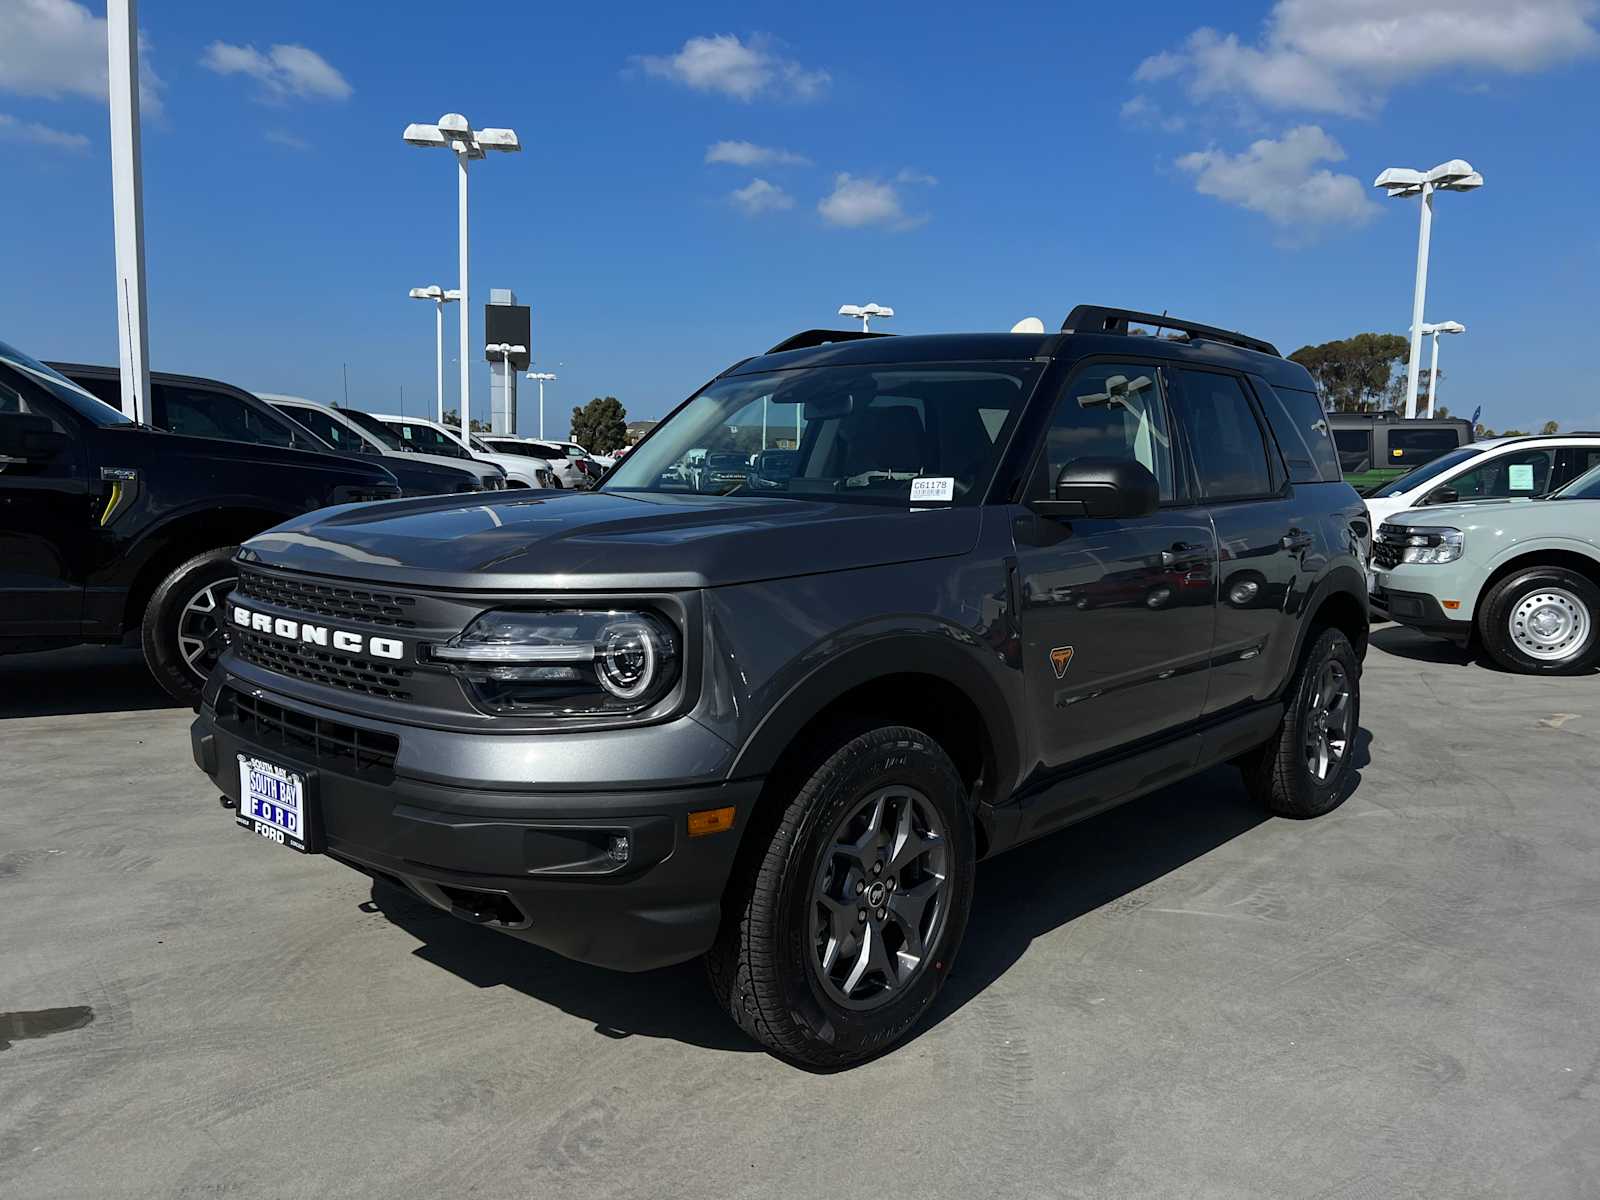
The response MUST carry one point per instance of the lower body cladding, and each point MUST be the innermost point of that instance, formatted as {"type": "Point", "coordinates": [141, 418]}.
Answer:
{"type": "Point", "coordinates": [1422, 612]}
{"type": "Point", "coordinates": [611, 878]}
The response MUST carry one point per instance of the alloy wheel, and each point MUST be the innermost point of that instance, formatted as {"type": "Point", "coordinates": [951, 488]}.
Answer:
{"type": "Point", "coordinates": [1328, 721]}
{"type": "Point", "coordinates": [202, 633]}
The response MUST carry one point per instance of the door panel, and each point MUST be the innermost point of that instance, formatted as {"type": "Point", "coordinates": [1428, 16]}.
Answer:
{"type": "Point", "coordinates": [44, 529]}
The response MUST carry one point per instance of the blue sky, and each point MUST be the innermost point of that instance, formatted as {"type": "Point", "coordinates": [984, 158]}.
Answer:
{"type": "Point", "coordinates": [968, 165]}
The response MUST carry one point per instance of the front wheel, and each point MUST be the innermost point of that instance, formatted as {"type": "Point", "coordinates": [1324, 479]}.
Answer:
{"type": "Point", "coordinates": [185, 628]}
{"type": "Point", "coordinates": [1544, 620]}
{"type": "Point", "coordinates": [841, 928]}
{"type": "Point", "coordinates": [1304, 769]}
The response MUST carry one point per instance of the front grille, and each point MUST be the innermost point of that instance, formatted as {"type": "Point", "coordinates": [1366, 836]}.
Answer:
{"type": "Point", "coordinates": [330, 668]}
{"type": "Point", "coordinates": [330, 599]}
{"type": "Point", "coordinates": [331, 744]}
{"type": "Point", "coordinates": [1386, 550]}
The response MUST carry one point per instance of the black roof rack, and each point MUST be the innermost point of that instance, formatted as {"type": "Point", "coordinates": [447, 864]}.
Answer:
{"type": "Point", "coordinates": [1092, 318]}
{"type": "Point", "coordinates": [821, 337]}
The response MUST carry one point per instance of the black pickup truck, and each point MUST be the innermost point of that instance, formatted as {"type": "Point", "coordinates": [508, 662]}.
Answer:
{"type": "Point", "coordinates": [107, 526]}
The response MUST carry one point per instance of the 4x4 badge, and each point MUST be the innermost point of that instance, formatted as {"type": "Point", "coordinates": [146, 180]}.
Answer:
{"type": "Point", "coordinates": [1061, 659]}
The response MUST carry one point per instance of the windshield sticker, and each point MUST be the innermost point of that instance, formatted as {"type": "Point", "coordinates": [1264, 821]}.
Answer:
{"type": "Point", "coordinates": [1521, 477]}
{"type": "Point", "coordinates": [933, 490]}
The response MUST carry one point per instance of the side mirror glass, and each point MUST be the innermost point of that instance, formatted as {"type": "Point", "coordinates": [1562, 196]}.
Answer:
{"type": "Point", "coordinates": [1102, 487]}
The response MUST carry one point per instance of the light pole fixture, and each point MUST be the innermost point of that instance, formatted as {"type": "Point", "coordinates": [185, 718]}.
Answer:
{"type": "Point", "coordinates": [541, 378]}
{"type": "Point", "coordinates": [454, 132]}
{"type": "Point", "coordinates": [866, 312]}
{"type": "Point", "coordinates": [1434, 330]}
{"type": "Point", "coordinates": [440, 298]}
{"type": "Point", "coordinates": [1403, 183]}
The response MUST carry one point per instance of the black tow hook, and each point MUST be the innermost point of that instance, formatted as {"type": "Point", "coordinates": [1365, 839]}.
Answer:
{"type": "Point", "coordinates": [227, 802]}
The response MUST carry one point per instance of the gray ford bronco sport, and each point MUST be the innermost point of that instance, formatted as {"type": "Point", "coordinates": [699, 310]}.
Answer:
{"type": "Point", "coordinates": [773, 713]}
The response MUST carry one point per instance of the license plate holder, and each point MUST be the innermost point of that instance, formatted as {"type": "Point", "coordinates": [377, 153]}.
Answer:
{"type": "Point", "coordinates": [279, 804]}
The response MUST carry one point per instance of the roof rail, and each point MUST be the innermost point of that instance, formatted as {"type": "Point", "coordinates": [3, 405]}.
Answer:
{"type": "Point", "coordinates": [821, 337]}
{"type": "Point", "coordinates": [1092, 318]}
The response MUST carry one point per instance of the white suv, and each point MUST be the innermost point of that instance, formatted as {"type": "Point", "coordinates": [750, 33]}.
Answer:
{"type": "Point", "coordinates": [1493, 469]}
{"type": "Point", "coordinates": [433, 438]}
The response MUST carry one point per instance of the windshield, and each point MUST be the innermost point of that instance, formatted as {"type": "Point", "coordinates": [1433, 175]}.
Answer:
{"type": "Point", "coordinates": [373, 426]}
{"type": "Point", "coordinates": [85, 404]}
{"type": "Point", "coordinates": [1422, 474]}
{"type": "Point", "coordinates": [425, 439]}
{"type": "Point", "coordinates": [1584, 487]}
{"type": "Point", "coordinates": [859, 434]}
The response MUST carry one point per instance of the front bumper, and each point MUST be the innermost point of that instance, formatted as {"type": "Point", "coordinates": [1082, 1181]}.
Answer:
{"type": "Point", "coordinates": [534, 864]}
{"type": "Point", "coordinates": [1421, 611]}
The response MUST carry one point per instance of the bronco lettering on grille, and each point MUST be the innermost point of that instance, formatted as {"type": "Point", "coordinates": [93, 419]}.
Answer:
{"type": "Point", "coordinates": [318, 635]}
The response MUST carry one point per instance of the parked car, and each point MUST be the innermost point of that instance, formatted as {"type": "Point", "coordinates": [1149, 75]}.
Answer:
{"type": "Point", "coordinates": [567, 472]}
{"type": "Point", "coordinates": [778, 728]}
{"type": "Point", "coordinates": [431, 438]}
{"type": "Point", "coordinates": [108, 528]}
{"type": "Point", "coordinates": [419, 474]}
{"type": "Point", "coordinates": [1494, 469]}
{"type": "Point", "coordinates": [1375, 448]}
{"type": "Point", "coordinates": [1518, 578]}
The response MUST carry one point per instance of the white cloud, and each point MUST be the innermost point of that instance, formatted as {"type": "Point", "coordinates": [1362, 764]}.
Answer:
{"type": "Point", "coordinates": [758, 196]}
{"type": "Point", "coordinates": [282, 137]}
{"type": "Point", "coordinates": [284, 71]}
{"type": "Point", "coordinates": [912, 176]}
{"type": "Point", "coordinates": [14, 130]}
{"type": "Point", "coordinates": [748, 154]}
{"type": "Point", "coordinates": [742, 70]}
{"type": "Point", "coordinates": [1343, 56]}
{"type": "Point", "coordinates": [57, 48]}
{"type": "Point", "coordinates": [856, 203]}
{"type": "Point", "coordinates": [1281, 180]}
{"type": "Point", "coordinates": [1141, 110]}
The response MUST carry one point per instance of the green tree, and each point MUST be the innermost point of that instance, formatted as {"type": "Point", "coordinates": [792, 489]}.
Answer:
{"type": "Point", "coordinates": [1358, 374]}
{"type": "Point", "coordinates": [453, 419]}
{"type": "Point", "coordinates": [601, 425]}
{"type": "Point", "coordinates": [1550, 427]}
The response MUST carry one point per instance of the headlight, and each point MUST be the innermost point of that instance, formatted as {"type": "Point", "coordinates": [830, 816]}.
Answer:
{"type": "Point", "coordinates": [570, 662]}
{"type": "Point", "coordinates": [1418, 545]}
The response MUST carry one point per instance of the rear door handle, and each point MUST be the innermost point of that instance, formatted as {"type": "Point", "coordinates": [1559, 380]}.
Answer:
{"type": "Point", "coordinates": [1295, 539]}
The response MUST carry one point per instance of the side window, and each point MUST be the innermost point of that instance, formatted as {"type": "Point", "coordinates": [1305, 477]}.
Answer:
{"type": "Point", "coordinates": [1301, 428]}
{"type": "Point", "coordinates": [198, 413]}
{"type": "Point", "coordinates": [1520, 473]}
{"type": "Point", "coordinates": [1230, 454]}
{"type": "Point", "coordinates": [1413, 447]}
{"type": "Point", "coordinates": [1112, 410]}
{"type": "Point", "coordinates": [326, 428]}
{"type": "Point", "coordinates": [1355, 450]}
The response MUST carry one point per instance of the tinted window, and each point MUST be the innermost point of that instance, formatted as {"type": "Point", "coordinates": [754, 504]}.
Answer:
{"type": "Point", "coordinates": [1230, 455]}
{"type": "Point", "coordinates": [427, 440]}
{"type": "Point", "coordinates": [1413, 479]}
{"type": "Point", "coordinates": [1355, 449]}
{"type": "Point", "coordinates": [198, 413]}
{"type": "Point", "coordinates": [1301, 428]}
{"type": "Point", "coordinates": [1519, 473]}
{"type": "Point", "coordinates": [1112, 410]}
{"type": "Point", "coordinates": [375, 427]}
{"type": "Point", "coordinates": [1411, 447]}
{"type": "Point", "coordinates": [71, 394]}
{"type": "Point", "coordinates": [339, 436]}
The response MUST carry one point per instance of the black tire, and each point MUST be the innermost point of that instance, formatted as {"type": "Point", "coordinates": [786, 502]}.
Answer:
{"type": "Point", "coordinates": [766, 967]}
{"type": "Point", "coordinates": [1508, 637]}
{"type": "Point", "coordinates": [1281, 774]}
{"type": "Point", "coordinates": [168, 629]}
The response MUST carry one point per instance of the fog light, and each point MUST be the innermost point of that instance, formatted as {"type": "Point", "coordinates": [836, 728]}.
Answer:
{"type": "Point", "coordinates": [710, 820]}
{"type": "Point", "coordinates": [619, 849]}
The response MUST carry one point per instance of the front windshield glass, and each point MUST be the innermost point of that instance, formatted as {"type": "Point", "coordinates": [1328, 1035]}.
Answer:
{"type": "Point", "coordinates": [375, 427]}
{"type": "Point", "coordinates": [857, 434]}
{"type": "Point", "coordinates": [87, 405]}
{"type": "Point", "coordinates": [1584, 487]}
{"type": "Point", "coordinates": [1427, 471]}
{"type": "Point", "coordinates": [425, 439]}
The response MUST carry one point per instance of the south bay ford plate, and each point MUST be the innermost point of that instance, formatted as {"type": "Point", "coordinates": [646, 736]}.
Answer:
{"type": "Point", "coordinates": [272, 803]}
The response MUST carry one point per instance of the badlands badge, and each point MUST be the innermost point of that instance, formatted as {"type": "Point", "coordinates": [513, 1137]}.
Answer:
{"type": "Point", "coordinates": [1061, 659]}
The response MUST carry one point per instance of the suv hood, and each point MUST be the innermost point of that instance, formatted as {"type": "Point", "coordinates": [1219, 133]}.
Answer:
{"type": "Point", "coordinates": [606, 540]}
{"type": "Point", "coordinates": [1471, 513]}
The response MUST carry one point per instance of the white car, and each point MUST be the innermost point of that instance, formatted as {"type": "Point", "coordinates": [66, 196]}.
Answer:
{"type": "Point", "coordinates": [432, 438]}
{"type": "Point", "coordinates": [572, 448]}
{"type": "Point", "coordinates": [1494, 469]}
{"type": "Point", "coordinates": [566, 468]}
{"type": "Point", "coordinates": [339, 425]}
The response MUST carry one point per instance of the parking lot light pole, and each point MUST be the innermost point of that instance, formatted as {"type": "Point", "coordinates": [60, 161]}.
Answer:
{"type": "Point", "coordinates": [440, 298]}
{"type": "Point", "coordinates": [541, 377]}
{"type": "Point", "coordinates": [1403, 183]}
{"type": "Point", "coordinates": [866, 312]}
{"type": "Point", "coordinates": [1434, 330]}
{"type": "Point", "coordinates": [454, 132]}
{"type": "Point", "coordinates": [127, 206]}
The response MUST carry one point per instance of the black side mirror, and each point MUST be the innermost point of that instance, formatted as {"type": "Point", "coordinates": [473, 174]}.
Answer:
{"type": "Point", "coordinates": [1443, 494]}
{"type": "Point", "coordinates": [30, 437]}
{"type": "Point", "coordinates": [1102, 487]}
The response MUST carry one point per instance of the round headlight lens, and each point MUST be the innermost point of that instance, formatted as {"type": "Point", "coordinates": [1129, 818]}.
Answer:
{"type": "Point", "coordinates": [626, 654]}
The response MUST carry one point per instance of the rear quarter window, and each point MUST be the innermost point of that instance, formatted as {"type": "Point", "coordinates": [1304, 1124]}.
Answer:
{"type": "Point", "coordinates": [1301, 427]}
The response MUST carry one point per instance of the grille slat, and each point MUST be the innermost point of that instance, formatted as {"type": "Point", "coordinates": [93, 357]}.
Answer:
{"type": "Point", "coordinates": [330, 600]}
{"type": "Point", "coordinates": [331, 744]}
{"type": "Point", "coordinates": [1386, 549]}
{"type": "Point", "coordinates": [313, 664]}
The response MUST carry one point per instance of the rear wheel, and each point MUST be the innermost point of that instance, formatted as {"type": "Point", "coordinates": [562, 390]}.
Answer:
{"type": "Point", "coordinates": [185, 627]}
{"type": "Point", "coordinates": [1544, 620]}
{"type": "Point", "coordinates": [841, 927]}
{"type": "Point", "coordinates": [1303, 771]}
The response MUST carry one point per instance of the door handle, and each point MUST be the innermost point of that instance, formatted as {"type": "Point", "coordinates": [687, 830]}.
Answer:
{"type": "Point", "coordinates": [1181, 551]}
{"type": "Point", "coordinates": [1295, 540]}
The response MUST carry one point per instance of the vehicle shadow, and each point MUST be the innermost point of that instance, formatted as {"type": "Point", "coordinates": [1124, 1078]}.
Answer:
{"type": "Point", "coordinates": [1403, 642]}
{"type": "Point", "coordinates": [84, 679]}
{"type": "Point", "coordinates": [1021, 896]}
